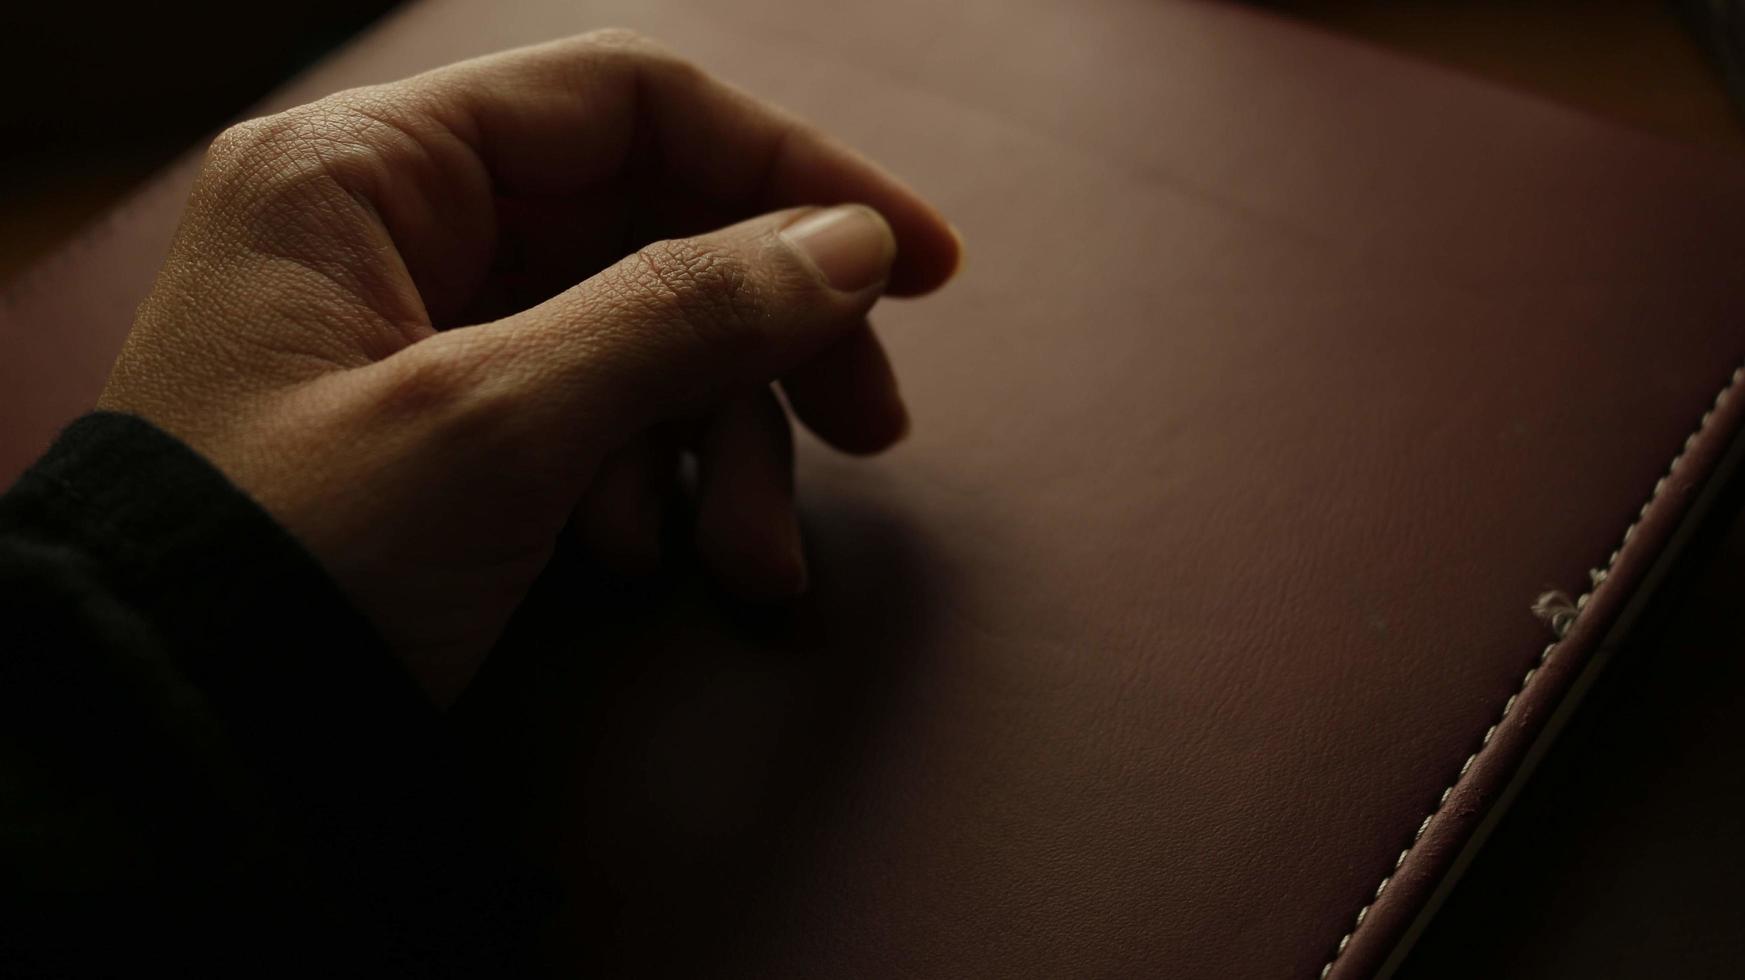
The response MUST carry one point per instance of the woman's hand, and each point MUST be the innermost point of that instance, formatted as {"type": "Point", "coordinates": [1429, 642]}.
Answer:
{"type": "Point", "coordinates": [402, 319]}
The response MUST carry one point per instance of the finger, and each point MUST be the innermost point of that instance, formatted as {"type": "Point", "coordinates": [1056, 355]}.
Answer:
{"type": "Point", "coordinates": [557, 118]}
{"type": "Point", "coordinates": [619, 520]}
{"type": "Point", "coordinates": [847, 395]}
{"type": "Point", "coordinates": [673, 328]}
{"type": "Point", "coordinates": [747, 533]}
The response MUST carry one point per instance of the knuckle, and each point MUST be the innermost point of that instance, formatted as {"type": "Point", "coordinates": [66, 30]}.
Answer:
{"type": "Point", "coordinates": [263, 139]}
{"type": "Point", "coordinates": [617, 37]}
{"type": "Point", "coordinates": [245, 151]}
{"type": "Point", "coordinates": [336, 141]}
{"type": "Point", "coordinates": [705, 288]}
{"type": "Point", "coordinates": [252, 164]}
{"type": "Point", "coordinates": [419, 386]}
{"type": "Point", "coordinates": [235, 140]}
{"type": "Point", "coordinates": [640, 52]}
{"type": "Point", "coordinates": [251, 136]}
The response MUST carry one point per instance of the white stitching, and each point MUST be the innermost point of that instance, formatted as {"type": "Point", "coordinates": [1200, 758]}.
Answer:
{"type": "Point", "coordinates": [1596, 578]}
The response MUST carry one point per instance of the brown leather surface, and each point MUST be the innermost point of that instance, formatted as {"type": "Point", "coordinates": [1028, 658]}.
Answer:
{"type": "Point", "coordinates": [1623, 858]}
{"type": "Point", "coordinates": [1282, 377]}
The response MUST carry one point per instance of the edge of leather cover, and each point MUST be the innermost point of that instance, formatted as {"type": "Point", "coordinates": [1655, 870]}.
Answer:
{"type": "Point", "coordinates": [1435, 849]}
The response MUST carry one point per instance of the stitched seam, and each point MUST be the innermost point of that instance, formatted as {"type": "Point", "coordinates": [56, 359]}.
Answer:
{"type": "Point", "coordinates": [1597, 578]}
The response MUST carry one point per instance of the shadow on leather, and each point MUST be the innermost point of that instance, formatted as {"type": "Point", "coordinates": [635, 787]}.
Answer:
{"type": "Point", "coordinates": [671, 752]}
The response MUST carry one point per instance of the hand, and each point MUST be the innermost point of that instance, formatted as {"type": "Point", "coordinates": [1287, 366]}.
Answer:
{"type": "Point", "coordinates": [402, 320]}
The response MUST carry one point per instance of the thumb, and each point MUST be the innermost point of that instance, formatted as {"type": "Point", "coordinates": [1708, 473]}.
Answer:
{"type": "Point", "coordinates": [681, 322]}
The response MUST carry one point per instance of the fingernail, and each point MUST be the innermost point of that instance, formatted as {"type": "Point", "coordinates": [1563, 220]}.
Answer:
{"type": "Point", "coordinates": [850, 246]}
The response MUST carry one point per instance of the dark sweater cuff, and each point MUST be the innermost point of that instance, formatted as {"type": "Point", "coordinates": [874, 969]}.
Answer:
{"type": "Point", "coordinates": [250, 618]}
{"type": "Point", "coordinates": [353, 758]}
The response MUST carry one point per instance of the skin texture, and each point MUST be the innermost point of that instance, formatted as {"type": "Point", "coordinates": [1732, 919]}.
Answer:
{"type": "Point", "coordinates": [432, 325]}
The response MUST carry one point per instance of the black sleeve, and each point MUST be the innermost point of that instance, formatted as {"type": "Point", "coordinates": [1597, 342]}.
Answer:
{"type": "Point", "coordinates": [208, 762]}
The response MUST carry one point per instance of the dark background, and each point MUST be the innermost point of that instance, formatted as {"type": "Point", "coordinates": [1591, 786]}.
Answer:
{"type": "Point", "coordinates": [95, 97]}
{"type": "Point", "coordinates": [98, 96]}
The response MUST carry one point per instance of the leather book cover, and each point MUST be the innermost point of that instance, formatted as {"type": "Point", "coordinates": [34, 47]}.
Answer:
{"type": "Point", "coordinates": [1304, 424]}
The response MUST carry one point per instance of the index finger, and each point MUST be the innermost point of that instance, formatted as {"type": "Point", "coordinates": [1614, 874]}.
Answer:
{"type": "Point", "coordinates": [556, 118]}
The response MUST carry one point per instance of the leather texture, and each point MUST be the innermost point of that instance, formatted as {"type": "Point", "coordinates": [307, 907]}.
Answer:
{"type": "Point", "coordinates": [1283, 375]}
{"type": "Point", "coordinates": [1623, 856]}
